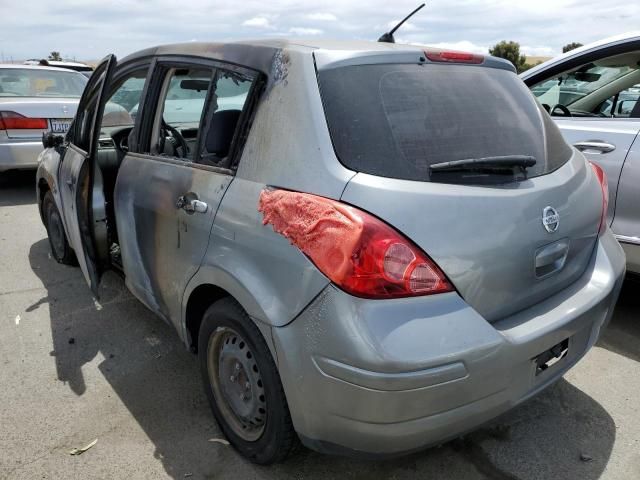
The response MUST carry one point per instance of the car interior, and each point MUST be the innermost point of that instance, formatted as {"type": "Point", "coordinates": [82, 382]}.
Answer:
{"type": "Point", "coordinates": [607, 87]}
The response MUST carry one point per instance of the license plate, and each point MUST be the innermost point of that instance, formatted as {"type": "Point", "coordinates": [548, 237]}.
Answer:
{"type": "Point", "coordinates": [60, 125]}
{"type": "Point", "coordinates": [552, 356]}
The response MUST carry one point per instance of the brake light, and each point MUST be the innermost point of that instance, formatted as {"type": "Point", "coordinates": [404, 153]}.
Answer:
{"type": "Point", "coordinates": [604, 185]}
{"type": "Point", "coordinates": [356, 251]}
{"type": "Point", "coordinates": [455, 57]}
{"type": "Point", "coordinates": [15, 121]}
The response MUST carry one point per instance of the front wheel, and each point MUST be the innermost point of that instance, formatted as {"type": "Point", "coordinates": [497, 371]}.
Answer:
{"type": "Point", "coordinates": [243, 386]}
{"type": "Point", "coordinates": [60, 248]}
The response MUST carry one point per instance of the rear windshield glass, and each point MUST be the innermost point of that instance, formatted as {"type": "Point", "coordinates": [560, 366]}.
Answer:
{"type": "Point", "coordinates": [396, 120]}
{"type": "Point", "coordinates": [34, 82]}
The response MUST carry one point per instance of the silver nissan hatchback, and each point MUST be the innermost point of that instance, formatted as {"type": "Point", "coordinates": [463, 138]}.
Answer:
{"type": "Point", "coordinates": [372, 248]}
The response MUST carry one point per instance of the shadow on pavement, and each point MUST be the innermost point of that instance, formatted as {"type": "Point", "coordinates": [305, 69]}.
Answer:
{"type": "Point", "coordinates": [17, 187]}
{"type": "Point", "coordinates": [622, 336]}
{"type": "Point", "coordinates": [157, 380]}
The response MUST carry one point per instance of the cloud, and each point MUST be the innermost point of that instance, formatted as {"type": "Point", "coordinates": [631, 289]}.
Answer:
{"type": "Point", "coordinates": [321, 17]}
{"type": "Point", "coordinates": [257, 22]}
{"type": "Point", "coordinates": [537, 51]}
{"type": "Point", "coordinates": [305, 31]}
{"type": "Point", "coordinates": [33, 29]}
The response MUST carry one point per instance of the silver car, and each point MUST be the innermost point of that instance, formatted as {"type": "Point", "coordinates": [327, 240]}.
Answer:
{"type": "Point", "coordinates": [592, 93]}
{"type": "Point", "coordinates": [34, 100]}
{"type": "Point", "coordinates": [372, 248]}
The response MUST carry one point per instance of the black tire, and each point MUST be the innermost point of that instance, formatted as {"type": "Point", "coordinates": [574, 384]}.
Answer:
{"type": "Point", "coordinates": [225, 322]}
{"type": "Point", "coordinates": [61, 251]}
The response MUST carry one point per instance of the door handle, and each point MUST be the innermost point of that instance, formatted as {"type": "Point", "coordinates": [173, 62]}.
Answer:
{"type": "Point", "coordinates": [594, 146]}
{"type": "Point", "coordinates": [191, 205]}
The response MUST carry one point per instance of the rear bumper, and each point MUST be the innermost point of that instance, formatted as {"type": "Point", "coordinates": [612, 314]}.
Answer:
{"type": "Point", "coordinates": [388, 377]}
{"type": "Point", "coordinates": [19, 153]}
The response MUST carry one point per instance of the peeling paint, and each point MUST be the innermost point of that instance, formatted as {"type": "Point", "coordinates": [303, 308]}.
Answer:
{"type": "Point", "coordinates": [325, 230]}
{"type": "Point", "coordinates": [280, 67]}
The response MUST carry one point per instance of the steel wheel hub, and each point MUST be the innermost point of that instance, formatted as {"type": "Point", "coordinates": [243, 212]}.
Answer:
{"type": "Point", "coordinates": [237, 384]}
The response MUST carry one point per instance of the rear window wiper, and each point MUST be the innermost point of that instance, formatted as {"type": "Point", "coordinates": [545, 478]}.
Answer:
{"type": "Point", "coordinates": [505, 162]}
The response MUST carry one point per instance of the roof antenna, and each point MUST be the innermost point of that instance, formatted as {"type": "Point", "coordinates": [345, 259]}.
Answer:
{"type": "Point", "coordinates": [388, 37]}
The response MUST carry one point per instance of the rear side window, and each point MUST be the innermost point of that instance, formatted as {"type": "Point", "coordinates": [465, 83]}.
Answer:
{"type": "Point", "coordinates": [395, 120]}
{"type": "Point", "coordinates": [34, 82]}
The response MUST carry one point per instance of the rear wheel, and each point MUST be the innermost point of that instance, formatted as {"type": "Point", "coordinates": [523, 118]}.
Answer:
{"type": "Point", "coordinates": [60, 248]}
{"type": "Point", "coordinates": [243, 385]}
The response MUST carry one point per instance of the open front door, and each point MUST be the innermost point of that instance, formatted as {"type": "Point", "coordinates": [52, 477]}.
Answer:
{"type": "Point", "coordinates": [80, 179]}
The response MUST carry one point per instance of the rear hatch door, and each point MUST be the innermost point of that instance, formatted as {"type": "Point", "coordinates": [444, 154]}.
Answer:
{"type": "Point", "coordinates": [506, 239]}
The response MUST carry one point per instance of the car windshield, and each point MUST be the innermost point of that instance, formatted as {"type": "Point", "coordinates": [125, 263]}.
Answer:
{"type": "Point", "coordinates": [397, 120]}
{"type": "Point", "coordinates": [40, 82]}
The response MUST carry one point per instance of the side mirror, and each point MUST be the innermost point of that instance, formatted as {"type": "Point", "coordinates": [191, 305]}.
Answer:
{"type": "Point", "coordinates": [625, 107]}
{"type": "Point", "coordinates": [50, 140]}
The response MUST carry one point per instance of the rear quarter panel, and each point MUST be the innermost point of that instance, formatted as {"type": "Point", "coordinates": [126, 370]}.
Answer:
{"type": "Point", "coordinates": [288, 147]}
{"type": "Point", "coordinates": [269, 277]}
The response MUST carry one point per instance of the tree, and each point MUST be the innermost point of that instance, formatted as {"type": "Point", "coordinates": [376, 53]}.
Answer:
{"type": "Point", "coordinates": [509, 51]}
{"type": "Point", "coordinates": [570, 46]}
{"type": "Point", "coordinates": [55, 56]}
{"type": "Point", "coordinates": [527, 66]}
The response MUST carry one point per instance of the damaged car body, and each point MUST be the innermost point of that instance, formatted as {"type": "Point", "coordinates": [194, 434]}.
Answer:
{"type": "Point", "coordinates": [372, 248]}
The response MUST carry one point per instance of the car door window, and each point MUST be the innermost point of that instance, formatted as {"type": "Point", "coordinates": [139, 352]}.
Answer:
{"type": "Point", "coordinates": [180, 110]}
{"type": "Point", "coordinates": [198, 113]}
{"type": "Point", "coordinates": [122, 106]}
{"type": "Point", "coordinates": [602, 88]}
{"type": "Point", "coordinates": [81, 131]}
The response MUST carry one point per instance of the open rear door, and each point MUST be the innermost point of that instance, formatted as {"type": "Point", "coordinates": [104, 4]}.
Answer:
{"type": "Point", "coordinates": [80, 180]}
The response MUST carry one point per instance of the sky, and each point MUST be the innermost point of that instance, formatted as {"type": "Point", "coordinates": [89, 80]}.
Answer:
{"type": "Point", "coordinates": [90, 29]}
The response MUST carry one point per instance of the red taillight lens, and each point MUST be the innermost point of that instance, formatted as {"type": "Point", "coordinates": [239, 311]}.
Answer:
{"type": "Point", "coordinates": [604, 185]}
{"type": "Point", "coordinates": [15, 121]}
{"type": "Point", "coordinates": [455, 57]}
{"type": "Point", "coordinates": [356, 251]}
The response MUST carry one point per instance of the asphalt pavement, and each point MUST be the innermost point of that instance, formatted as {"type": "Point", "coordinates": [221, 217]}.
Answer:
{"type": "Point", "coordinates": [73, 370]}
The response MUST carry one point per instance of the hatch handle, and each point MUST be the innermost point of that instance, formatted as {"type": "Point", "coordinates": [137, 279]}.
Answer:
{"type": "Point", "coordinates": [551, 258]}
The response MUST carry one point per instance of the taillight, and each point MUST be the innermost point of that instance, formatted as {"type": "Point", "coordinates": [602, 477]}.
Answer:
{"type": "Point", "coordinates": [455, 57]}
{"type": "Point", "coordinates": [356, 251]}
{"type": "Point", "coordinates": [604, 185]}
{"type": "Point", "coordinates": [15, 121]}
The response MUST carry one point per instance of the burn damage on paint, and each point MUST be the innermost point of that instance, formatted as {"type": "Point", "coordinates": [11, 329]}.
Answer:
{"type": "Point", "coordinates": [324, 230]}
{"type": "Point", "coordinates": [280, 67]}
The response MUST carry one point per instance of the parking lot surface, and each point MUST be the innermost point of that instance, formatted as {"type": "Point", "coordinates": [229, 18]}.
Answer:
{"type": "Point", "coordinates": [73, 369]}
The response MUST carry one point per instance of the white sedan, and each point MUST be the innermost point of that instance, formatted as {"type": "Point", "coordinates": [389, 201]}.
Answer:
{"type": "Point", "coordinates": [34, 100]}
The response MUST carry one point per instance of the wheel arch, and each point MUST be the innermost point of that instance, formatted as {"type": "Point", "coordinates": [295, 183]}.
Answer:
{"type": "Point", "coordinates": [202, 292]}
{"type": "Point", "coordinates": [200, 299]}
